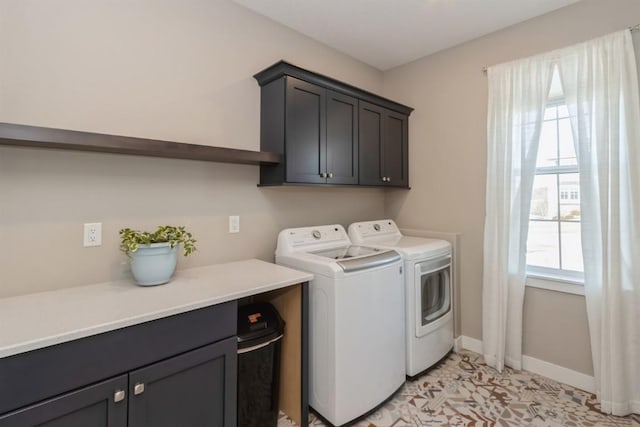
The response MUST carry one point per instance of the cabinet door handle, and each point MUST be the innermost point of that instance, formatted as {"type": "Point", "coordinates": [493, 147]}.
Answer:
{"type": "Point", "coordinates": [330, 175]}
{"type": "Point", "coordinates": [388, 179]}
{"type": "Point", "coordinates": [119, 396]}
{"type": "Point", "coordinates": [138, 389]}
{"type": "Point", "coordinates": [323, 175]}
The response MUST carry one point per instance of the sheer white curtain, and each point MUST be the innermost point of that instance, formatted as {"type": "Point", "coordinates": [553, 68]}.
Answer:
{"type": "Point", "coordinates": [601, 90]}
{"type": "Point", "coordinates": [517, 96]}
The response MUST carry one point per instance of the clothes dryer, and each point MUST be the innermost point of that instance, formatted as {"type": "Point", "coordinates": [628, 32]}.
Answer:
{"type": "Point", "coordinates": [428, 290]}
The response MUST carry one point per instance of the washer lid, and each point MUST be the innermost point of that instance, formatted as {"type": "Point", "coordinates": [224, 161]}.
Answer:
{"type": "Point", "coordinates": [356, 257]}
{"type": "Point", "coordinates": [416, 247]}
{"type": "Point", "coordinates": [370, 261]}
{"type": "Point", "coordinates": [345, 252]}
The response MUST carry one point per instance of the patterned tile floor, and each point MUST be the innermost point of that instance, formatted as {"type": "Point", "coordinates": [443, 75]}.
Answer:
{"type": "Point", "coordinates": [463, 391]}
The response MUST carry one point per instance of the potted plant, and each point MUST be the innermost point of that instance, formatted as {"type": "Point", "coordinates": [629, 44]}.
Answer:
{"type": "Point", "coordinates": [153, 255]}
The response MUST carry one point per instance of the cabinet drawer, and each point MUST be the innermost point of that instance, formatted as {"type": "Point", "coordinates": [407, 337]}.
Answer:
{"type": "Point", "coordinates": [34, 376]}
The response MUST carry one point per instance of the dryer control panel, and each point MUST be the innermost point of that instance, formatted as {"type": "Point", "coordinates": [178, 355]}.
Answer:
{"type": "Point", "coordinates": [363, 231]}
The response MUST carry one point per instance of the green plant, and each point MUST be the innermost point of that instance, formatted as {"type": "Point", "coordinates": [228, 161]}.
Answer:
{"type": "Point", "coordinates": [130, 239]}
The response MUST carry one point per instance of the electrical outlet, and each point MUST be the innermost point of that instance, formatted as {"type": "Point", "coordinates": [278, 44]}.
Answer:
{"type": "Point", "coordinates": [234, 224]}
{"type": "Point", "coordinates": [92, 234]}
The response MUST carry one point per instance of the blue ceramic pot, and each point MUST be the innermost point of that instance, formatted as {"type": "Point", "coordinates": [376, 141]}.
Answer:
{"type": "Point", "coordinates": [153, 264]}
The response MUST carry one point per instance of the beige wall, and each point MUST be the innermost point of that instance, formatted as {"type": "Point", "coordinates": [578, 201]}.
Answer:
{"type": "Point", "coordinates": [175, 70]}
{"type": "Point", "coordinates": [555, 329]}
{"type": "Point", "coordinates": [181, 70]}
{"type": "Point", "coordinates": [448, 159]}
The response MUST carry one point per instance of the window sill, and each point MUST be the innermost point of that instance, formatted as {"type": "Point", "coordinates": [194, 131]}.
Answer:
{"type": "Point", "coordinates": [568, 286]}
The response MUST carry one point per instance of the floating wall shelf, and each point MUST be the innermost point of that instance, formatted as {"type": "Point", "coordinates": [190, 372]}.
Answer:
{"type": "Point", "coordinates": [41, 137]}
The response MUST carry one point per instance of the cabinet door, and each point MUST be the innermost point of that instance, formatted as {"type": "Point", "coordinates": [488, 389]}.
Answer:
{"type": "Point", "coordinates": [305, 132]}
{"type": "Point", "coordinates": [342, 138]}
{"type": "Point", "coordinates": [194, 389]}
{"type": "Point", "coordinates": [394, 154]}
{"type": "Point", "coordinates": [100, 405]}
{"type": "Point", "coordinates": [370, 122]}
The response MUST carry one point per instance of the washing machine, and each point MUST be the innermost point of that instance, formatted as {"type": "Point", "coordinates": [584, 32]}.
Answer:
{"type": "Point", "coordinates": [356, 320]}
{"type": "Point", "coordinates": [428, 290]}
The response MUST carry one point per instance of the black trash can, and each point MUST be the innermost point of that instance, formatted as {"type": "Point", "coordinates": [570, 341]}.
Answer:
{"type": "Point", "coordinates": [260, 331]}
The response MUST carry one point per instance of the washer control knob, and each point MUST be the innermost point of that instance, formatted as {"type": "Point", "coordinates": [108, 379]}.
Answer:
{"type": "Point", "coordinates": [376, 227]}
{"type": "Point", "coordinates": [316, 234]}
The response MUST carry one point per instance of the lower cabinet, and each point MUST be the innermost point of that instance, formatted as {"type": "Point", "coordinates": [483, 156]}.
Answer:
{"type": "Point", "coordinates": [190, 390]}
{"type": "Point", "coordinates": [194, 389]}
{"type": "Point", "coordinates": [177, 371]}
{"type": "Point", "coordinates": [99, 405]}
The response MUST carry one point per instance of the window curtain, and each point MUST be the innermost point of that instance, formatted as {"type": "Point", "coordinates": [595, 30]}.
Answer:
{"type": "Point", "coordinates": [600, 83]}
{"type": "Point", "coordinates": [517, 96]}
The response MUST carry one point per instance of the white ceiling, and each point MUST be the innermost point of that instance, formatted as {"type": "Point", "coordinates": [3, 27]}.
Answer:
{"type": "Point", "coordinates": [389, 33]}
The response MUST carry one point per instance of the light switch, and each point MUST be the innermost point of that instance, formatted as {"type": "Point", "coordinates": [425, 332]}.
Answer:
{"type": "Point", "coordinates": [234, 224]}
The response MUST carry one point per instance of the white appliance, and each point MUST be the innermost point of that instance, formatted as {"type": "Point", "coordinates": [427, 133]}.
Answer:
{"type": "Point", "coordinates": [428, 290]}
{"type": "Point", "coordinates": [356, 320]}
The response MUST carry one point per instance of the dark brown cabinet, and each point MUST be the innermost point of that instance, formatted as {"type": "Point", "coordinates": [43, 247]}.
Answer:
{"type": "Point", "coordinates": [319, 134]}
{"type": "Point", "coordinates": [305, 132]}
{"type": "Point", "coordinates": [175, 371]}
{"type": "Point", "coordinates": [189, 390]}
{"type": "Point", "coordinates": [100, 405]}
{"type": "Point", "coordinates": [383, 146]}
{"type": "Point", "coordinates": [329, 132]}
{"type": "Point", "coordinates": [342, 139]}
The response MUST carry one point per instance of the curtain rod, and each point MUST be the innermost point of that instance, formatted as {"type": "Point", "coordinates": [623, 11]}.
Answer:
{"type": "Point", "coordinates": [632, 28]}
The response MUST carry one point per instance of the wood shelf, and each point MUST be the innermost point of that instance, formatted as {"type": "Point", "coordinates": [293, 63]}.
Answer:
{"type": "Point", "coordinates": [41, 137]}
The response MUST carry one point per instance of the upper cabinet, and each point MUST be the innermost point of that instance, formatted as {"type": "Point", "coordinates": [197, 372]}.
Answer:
{"type": "Point", "coordinates": [320, 134]}
{"type": "Point", "coordinates": [342, 138]}
{"type": "Point", "coordinates": [384, 143]}
{"type": "Point", "coordinates": [329, 132]}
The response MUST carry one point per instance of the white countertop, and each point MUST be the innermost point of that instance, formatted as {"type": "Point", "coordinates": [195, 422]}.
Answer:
{"type": "Point", "coordinates": [39, 320]}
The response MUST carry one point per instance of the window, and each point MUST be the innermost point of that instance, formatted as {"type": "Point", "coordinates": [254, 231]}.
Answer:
{"type": "Point", "coordinates": [554, 244]}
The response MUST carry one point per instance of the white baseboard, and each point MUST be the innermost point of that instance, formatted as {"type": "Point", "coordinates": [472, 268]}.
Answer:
{"type": "Point", "coordinates": [559, 373]}
{"type": "Point", "coordinates": [537, 366]}
{"type": "Point", "coordinates": [468, 343]}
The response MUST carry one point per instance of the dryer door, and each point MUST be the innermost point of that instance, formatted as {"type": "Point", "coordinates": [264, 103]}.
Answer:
{"type": "Point", "coordinates": [432, 292]}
